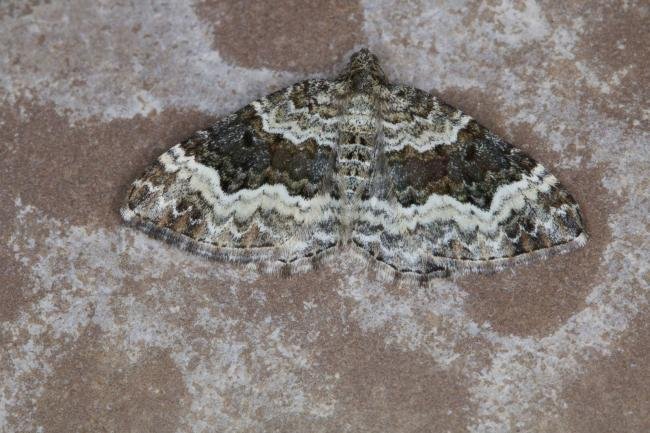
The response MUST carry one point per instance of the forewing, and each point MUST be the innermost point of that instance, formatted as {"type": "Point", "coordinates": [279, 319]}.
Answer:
{"type": "Point", "coordinates": [450, 196]}
{"type": "Point", "coordinates": [255, 186]}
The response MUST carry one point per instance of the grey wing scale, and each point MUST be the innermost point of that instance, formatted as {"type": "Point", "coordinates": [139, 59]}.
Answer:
{"type": "Point", "coordinates": [253, 187]}
{"type": "Point", "coordinates": [449, 196]}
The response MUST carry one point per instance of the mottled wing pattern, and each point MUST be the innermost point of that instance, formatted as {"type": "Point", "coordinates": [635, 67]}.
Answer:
{"type": "Point", "coordinates": [408, 180]}
{"type": "Point", "coordinates": [255, 186]}
{"type": "Point", "coordinates": [448, 196]}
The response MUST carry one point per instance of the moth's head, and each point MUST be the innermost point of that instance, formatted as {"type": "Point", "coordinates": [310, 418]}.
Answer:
{"type": "Point", "coordinates": [364, 69]}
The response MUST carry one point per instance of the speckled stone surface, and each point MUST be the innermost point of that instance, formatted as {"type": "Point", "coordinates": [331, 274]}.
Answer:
{"type": "Point", "coordinates": [103, 329]}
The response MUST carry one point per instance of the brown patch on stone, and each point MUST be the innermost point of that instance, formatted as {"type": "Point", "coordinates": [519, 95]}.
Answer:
{"type": "Point", "coordinates": [537, 297]}
{"type": "Point", "coordinates": [284, 34]}
{"type": "Point", "coordinates": [612, 394]}
{"type": "Point", "coordinates": [80, 173]}
{"type": "Point", "coordinates": [382, 388]}
{"type": "Point", "coordinates": [616, 40]}
{"type": "Point", "coordinates": [95, 388]}
{"type": "Point", "coordinates": [13, 283]}
{"type": "Point", "coordinates": [615, 47]}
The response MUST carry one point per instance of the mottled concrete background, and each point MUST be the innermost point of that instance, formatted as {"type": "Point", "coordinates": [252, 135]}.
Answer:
{"type": "Point", "coordinates": [105, 330]}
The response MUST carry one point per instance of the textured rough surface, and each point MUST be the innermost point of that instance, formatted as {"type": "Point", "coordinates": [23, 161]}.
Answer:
{"type": "Point", "coordinates": [123, 333]}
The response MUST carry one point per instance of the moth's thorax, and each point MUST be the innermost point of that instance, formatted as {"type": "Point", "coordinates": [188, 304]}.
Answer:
{"type": "Point", "coordinates": [364, 72]}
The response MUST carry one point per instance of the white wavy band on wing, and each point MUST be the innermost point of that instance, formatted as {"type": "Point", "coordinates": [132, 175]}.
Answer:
{"type": "Point", "coordinates": [297, 124]}
{"type": "Point", "coordinates": [513, 196]}
{"type": "Point", "coordinates": [244, 203]}
{"type": "Point", "coordinates": [423, 134]}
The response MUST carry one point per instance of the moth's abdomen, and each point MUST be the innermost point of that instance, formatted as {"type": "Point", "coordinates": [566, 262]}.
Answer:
{"type": "Point", "coordinates": [354, 164]}
{"type": "Point", "coordinates": [355, 150]}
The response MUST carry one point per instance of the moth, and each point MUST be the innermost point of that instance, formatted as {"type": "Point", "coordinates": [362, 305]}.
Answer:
{"type": "Point", "coordinates": [386, 170]}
